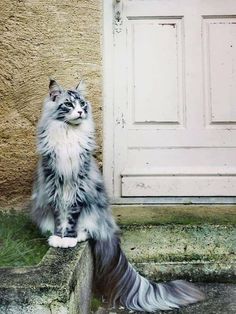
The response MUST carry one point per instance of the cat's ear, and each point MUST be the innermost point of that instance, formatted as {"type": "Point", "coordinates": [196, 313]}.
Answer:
{"type": "Point", "coordinates": [54, 89]}
{"type": "Point", "coordinates": [81, 88]}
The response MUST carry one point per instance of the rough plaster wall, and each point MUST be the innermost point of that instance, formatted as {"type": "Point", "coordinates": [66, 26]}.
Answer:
{"type": "Point", "coordinates": [41, 39]}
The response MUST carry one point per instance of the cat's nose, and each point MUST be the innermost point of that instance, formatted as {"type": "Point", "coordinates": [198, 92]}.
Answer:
{"type": "Point", "coordinates": [80, 112]}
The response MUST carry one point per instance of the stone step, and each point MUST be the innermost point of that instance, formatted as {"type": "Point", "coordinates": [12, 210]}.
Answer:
{"type": "Point", "coordinates": [195, 243]}
{"type": "Point", "coordinates": [220, 299]}
{"type": "Point", "coordinates": [164, 242]}
{"type": "Point", "coordinates": [59, 284]}
{"type": "Point", "coordinates": [175, 214]}
{"type": "Point", "coordinates": [198, 253]}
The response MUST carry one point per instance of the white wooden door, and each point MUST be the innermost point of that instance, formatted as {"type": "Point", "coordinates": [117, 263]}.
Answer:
{"type": "Point", "coordinates": [174, 98]}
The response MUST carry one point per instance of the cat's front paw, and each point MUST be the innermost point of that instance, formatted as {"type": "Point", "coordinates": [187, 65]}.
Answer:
{"type": "Point", "coordinates": [68, 242]}
{"type": "Point", "coordinates": [65, 242]}
{"type": "Point", "coordinates": [82, 236]}
{"type": "Point", "coordinates": [55, 241]}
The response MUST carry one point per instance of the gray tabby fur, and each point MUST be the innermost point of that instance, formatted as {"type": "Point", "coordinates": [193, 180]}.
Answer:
{"type": "Point", "coordinates": [70, 201]}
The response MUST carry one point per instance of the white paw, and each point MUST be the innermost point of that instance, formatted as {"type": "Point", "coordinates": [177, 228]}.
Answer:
{"type": "Point", "coordinates": [68, 242]}
{"type": "Point", "coordinates": [82, 236]}
{"type": "Point", "coordinates": [54, 241]}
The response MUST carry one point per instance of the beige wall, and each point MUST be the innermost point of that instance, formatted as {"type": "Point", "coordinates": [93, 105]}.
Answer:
{"type": "Point", "coordinates": [41, 39]}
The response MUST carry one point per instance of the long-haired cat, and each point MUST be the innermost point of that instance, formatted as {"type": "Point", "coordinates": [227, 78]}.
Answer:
{"type": "Point", "coordinates": [70, 201]}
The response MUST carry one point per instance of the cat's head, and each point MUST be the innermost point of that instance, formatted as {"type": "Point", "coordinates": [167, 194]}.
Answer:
{"type": "Point", "coordinates": [69, 106]}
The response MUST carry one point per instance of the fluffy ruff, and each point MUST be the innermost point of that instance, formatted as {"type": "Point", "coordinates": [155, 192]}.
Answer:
{"type": "Point", "coordinates": [70, 201]}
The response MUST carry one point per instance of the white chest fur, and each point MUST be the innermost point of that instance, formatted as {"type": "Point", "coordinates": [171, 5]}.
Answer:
{"type": "Point", "coordinates": [65, 142]}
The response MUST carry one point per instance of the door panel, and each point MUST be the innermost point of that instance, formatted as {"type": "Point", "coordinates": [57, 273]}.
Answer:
{"type": "Point", "coordinates": [220, 67]}
{"type": "Point", "coordinates": [156, 98]}
{"type": "Point", "coordinates": [142, 186]}
{"type": "Point", "coordinates": [175, 98]}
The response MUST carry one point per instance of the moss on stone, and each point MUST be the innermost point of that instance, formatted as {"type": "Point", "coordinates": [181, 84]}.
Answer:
{"type": "Point", "coordinates": [172, 243]}
{"type": "Point", "coordinates": [61, 282]}
{"type": "Point", "coordinates": [95, 304]}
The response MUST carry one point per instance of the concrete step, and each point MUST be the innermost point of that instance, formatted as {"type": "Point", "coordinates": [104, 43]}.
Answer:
{"type": "Point", "coordinates": [199, 253]}
{"type": "Point", "coordinates": [59, 284]}
{"type": "Point", "coordinates": [195, 242]}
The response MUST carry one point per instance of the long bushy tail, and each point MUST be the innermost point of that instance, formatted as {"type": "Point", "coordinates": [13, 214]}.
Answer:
{"type": "Point", "coordinates": [119, 281]}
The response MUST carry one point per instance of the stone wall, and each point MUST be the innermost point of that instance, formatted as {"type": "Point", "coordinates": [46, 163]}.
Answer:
{"type": "Point", "coordinates": [41, 39]}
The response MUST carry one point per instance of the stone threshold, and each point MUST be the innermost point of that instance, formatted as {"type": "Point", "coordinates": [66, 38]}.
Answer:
{"type": "Point", "coordinates": [174, 214]}
{"type": "Point", "coordinates": [60, 283]}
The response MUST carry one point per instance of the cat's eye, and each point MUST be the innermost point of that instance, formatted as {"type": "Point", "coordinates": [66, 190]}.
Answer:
{"type": "Point", "coordinates": [83, 104]}
{"type": "Point", "coordinates": [68, 104]}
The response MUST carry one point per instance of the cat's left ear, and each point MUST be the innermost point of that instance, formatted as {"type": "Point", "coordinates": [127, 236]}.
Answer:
{"type": "Point", "coordinates": [81, 88]}
{"type": "Point", "coordinates": [55, 89]}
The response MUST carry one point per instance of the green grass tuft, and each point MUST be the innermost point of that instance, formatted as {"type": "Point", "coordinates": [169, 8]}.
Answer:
{"type": "Point", "coordinates": [95, 304]}
{"type": "Point", "coordinates": [21, 244]}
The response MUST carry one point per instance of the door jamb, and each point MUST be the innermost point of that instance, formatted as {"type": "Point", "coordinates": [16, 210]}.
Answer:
{"type": "Point", "coordinates": [108, 99]}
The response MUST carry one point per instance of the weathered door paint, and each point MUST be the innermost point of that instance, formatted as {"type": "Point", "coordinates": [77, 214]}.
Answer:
{"type": "Point", "coordinates": [174, 98]}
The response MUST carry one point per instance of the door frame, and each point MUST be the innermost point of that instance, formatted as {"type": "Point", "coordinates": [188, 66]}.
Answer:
{"type": "Point", "coordinates": [108, 68]}
{"type": "Point", "coordinates": [108, 99]}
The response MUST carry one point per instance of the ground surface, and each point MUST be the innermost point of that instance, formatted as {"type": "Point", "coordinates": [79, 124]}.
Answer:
{"type": "Point", "coordinates": [220, 299]}
{"type": "Point", "coordinates": [21, 244]}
